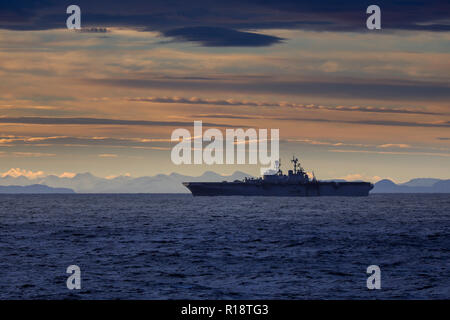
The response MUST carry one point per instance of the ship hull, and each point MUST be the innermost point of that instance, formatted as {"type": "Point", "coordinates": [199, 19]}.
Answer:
{"type": "Point", "coordinates": [349, 189]}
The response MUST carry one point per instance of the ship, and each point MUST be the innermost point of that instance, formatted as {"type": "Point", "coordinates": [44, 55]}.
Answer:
{"type": "Point", "coordinates": [296, 183]}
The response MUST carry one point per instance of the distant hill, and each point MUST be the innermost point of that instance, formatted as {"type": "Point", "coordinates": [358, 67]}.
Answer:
{"type": "Point", "coordinates": [442, 186]}
{"type": "Point", "coordinates": [422, 185]}
{"type": "Point", "coordinates": [420, 182]}
{"type": "Point", "coordinates": [34, 188]}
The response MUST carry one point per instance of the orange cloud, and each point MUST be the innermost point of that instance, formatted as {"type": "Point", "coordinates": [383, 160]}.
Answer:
{"type": "Point", "coordinates": [17, 172]}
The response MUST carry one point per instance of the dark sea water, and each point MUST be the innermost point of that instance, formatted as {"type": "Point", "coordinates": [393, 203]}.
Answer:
{"type": "Point", "coordinates": [180, 247]}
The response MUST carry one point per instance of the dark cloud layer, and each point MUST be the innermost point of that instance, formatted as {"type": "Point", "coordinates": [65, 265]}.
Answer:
{"type": "Point", "coordinates": [222, 37]}
{"type": "Point", "coordinates": [400, 90]}
{"type": "Point", "coordinates": [100, 121]}
{"type": "Point", "coordinates": [445, 124]}
{"type": "Point", "coordinates": [218, 23]}
{"type": "Point", "coordinates": [68, 140]}
{"type": "Point", "coordinates": [233, 103]}
{"type": "Point", "coordinates": [376, 122]}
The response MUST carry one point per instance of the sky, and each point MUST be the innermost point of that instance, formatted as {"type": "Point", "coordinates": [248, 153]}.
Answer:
{"type": "Point", "coordinates": [349, 102]}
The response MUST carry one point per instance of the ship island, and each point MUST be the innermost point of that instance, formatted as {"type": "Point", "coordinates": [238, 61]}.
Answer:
{"type": "Point", "coordinates": [296, 183]}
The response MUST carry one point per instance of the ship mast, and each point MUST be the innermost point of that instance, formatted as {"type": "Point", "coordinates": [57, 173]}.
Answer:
{"type": "Point", "coordinates": [295, 161]}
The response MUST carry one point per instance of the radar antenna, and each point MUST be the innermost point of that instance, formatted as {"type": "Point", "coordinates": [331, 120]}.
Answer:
{"type": "Point", "coordinates": [278, 167]}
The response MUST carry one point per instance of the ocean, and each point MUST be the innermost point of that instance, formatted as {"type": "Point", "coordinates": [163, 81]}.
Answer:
{"type": "Point", "coordinates": [141, 246]}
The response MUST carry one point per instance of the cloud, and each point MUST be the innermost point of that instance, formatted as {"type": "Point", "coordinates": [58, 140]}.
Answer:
{"type": "Point", "coordinates": [200, 101]}
{"type": "Point", "coordinates": [247, 103]}
{"type": "Point", "coordinates": [144, 143]}
{"type": "Point", "coordinates": [100, 121]}
{"type": "Point", "coordinates": [327, 143]}
{"type": "Point", "coordinates": [114, 176]}
{"type": "Point", "coordinates": [345, 88]}
{"type": "Point", "coordinates": [222, 37]}
{"type": "Point", "coordinates": [366, 147]}
{"type": "Point", "coordinates": [93, 30]}
{"type": "Point", "coordinates": [215, 23]}
{"type": "Point", "coordinates": [361, 177]}
{"type": "Point", "coordinates": [17, 172]}
{"type": "Point", "coordinates": [441, 124]}
{"type": "Point", "coordinates": [394, 145]}
{"type": "Point", "coordinates": [229, 116]}
{"type": "Point", "coordinates": [69, 175]}
{"type": "Point", "coordinates": [135, 143]}
{"type": "Point", "coordinates": [418, 153]}
{"type": "Point", "coordinates": [32, 154]}
{"type": "Point", "coordinates": [330, 66]}
{"type": "Point", "coordinates": [108, 155]}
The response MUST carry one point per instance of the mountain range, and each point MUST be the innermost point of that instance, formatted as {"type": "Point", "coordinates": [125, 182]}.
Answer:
{"type": "Point", "coordinates": [88, 183]}
{"type": "Point", "coordinates": [34, 188]}
{"type": "Point", "coordinates": [419, 185]}
{"type": "Point", "coordinates": [161, 183]}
